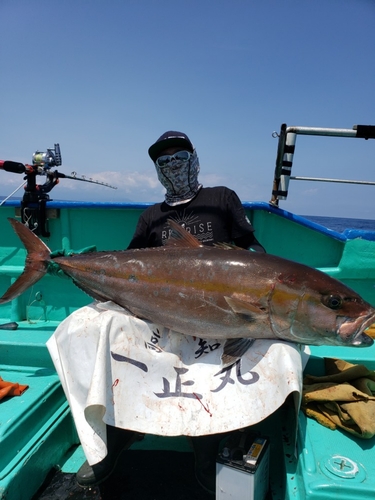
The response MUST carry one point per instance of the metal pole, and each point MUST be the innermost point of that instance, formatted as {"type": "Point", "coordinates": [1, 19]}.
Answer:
{"type": "Point", "coordinates": [332, 132]}
{"type": "Point", "coordinates": [322, 179]}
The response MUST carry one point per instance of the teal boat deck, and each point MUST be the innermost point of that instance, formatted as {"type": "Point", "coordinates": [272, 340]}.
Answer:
{"type": "Point", "coordinates": [327, 461]}
{"type": "Point", "coordinates": [36, 428]}
{"type": "Point", "coordinates": [37, 433]}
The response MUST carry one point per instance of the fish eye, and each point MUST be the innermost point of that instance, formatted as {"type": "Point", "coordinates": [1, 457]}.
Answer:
{"type": "Point", "coordinates": [332, 301]}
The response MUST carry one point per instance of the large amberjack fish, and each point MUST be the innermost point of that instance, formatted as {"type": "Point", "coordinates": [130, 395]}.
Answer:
{"type": "Point", "coordinates": [211, 292]}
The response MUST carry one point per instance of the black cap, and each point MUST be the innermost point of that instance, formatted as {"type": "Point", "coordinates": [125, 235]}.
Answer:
{"type": "Point", "coordinates": [170, 139]}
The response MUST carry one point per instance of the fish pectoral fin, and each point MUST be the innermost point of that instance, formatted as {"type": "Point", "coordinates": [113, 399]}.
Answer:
{"type": "Point", "coordinates": [241, 307]}
{"type": "Point", "coordinates": [234, 349]}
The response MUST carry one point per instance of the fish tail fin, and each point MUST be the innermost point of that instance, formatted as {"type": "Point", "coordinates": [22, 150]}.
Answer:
{"type": "Point", "coordinates": [38, 255]}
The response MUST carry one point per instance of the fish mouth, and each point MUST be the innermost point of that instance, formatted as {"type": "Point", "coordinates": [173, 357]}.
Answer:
{"type": "Point", "coordinates": [351, 330]}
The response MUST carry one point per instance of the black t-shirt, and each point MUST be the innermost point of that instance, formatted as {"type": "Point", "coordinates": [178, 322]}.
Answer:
{"type": "Point", "coordinates": [214, 215]}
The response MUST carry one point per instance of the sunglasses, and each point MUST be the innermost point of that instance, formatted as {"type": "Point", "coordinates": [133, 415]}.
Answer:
{"type": "Point", "coordinates": [162, 161]}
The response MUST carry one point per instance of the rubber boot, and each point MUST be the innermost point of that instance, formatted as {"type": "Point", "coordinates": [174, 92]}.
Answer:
{"type": "Point", "coordinates": [205, 452]}
{"type": "Point", "coordinates": [118, 440]}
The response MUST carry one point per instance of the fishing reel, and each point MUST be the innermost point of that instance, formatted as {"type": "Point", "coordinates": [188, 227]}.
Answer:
{"type": "Point", "coordinates": [33, 204]}
{"type": "Point", "coordinates": [51, 158]}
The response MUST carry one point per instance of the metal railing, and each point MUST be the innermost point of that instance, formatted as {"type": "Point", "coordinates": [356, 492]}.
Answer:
{"type": "Point", "coordinates": [286, 148]}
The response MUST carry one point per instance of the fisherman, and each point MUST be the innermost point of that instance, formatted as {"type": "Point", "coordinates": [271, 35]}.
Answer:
{"type": "Point", "coordinates": [212, 215]}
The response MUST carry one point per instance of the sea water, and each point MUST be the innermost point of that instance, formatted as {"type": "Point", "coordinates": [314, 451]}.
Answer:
{"type": "Point", "coordinates": [339, 224]}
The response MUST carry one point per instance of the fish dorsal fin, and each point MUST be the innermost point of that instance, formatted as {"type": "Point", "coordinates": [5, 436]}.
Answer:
{"type": "Point", "coordinates": [180, 237]}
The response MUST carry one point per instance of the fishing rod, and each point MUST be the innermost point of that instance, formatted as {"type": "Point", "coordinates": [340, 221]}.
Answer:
{"type": "Point", "coordinates": [33, 204]}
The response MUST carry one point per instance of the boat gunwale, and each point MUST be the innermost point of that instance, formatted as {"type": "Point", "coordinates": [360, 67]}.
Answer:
{"type": "Point", "coordinates": [348, 234]}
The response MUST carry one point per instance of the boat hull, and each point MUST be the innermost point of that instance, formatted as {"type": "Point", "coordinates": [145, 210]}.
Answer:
{"type": "Point", "coordinates": [24, 357]}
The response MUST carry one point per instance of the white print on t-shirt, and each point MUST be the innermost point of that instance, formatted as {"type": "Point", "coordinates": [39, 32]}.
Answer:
{"type": "Point", "coordinates": [203, 231]}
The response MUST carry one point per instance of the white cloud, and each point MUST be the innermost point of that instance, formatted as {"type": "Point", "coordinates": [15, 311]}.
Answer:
{"type": "Point", "coordinates": [126, 181]}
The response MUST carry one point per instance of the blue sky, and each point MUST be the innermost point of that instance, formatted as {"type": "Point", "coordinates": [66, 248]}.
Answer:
{"type": "Point", "coordinates": [106, 78]}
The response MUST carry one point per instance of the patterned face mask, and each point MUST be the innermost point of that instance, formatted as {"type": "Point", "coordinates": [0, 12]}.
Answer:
{"type": "Point", "coordinates": [180, 179]}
